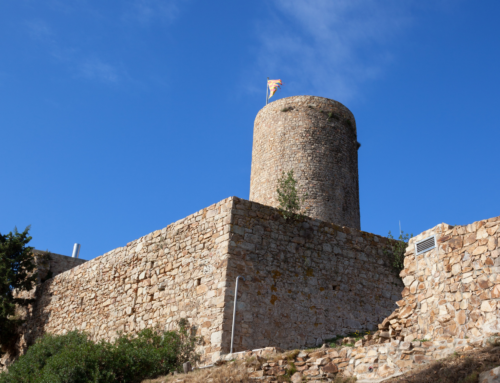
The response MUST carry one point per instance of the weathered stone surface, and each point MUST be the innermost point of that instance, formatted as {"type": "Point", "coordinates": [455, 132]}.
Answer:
{"type": "Point", "coordinates": [188, 270]}
{"type": "Point", "coordinates": [491, 376]}
{"type": "Point", "coordinates": [385, 371]}
{"type": "Point", "coordinates": [330, 368]}
{"type": "Point", "coordinates": [296, 378]}
{"type": "Point", "coordinates": [301, 133]}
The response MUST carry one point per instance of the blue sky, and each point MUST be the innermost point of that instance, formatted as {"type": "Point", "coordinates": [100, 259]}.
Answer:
{"type": "Point", "coordinates": [121, 117]}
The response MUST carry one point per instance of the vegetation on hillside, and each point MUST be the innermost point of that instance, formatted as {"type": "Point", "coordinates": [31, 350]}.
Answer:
{"type": "Point", "coordinates": [75, 358]}
{"type": "Point", "coordinates": [17, 273]}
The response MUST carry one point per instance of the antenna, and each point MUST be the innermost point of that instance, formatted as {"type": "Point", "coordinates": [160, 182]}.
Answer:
{"type": "Point", "coordinates": [399, 227]}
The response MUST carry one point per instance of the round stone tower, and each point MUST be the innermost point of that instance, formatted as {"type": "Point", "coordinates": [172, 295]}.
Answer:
{"type": "Point", "coordinates": [316, 138]}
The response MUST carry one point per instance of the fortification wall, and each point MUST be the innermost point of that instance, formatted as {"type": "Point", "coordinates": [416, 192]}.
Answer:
{"type": "Point", "coordinates": [54, 263]}
{"type": "Point", "coordinates": [305, 281]}
{"type": "Point", "coordinates": [173, 273]}
{"type": "Point", "coordinates": [453, 290]}
{"type": "Point", "coordinates": [451, 303]}
{"type": "Point", "coordinates": [316, 138]}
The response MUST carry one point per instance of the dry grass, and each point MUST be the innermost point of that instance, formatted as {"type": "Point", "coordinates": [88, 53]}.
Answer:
{"type": "Point", "coordinates": [458, 368]}
{"type": "Point", "coordinates": [341, 379]}
{"type": "Point", "coordinates": [231, 372]}
{"type": "Point", "coordinates": [289, 355]}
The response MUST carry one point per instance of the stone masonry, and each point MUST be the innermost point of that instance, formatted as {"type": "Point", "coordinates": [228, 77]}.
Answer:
{"type": "Point", "coordinates": [305, 281]}
{"type": "Point", "coordinates": [56, 263]}
{"type": "Point", "coordinates": [453, 290]}
{"type": "Point", "coordinates": [174, 273]}
{"type": "Point", "coordinates": [451, 303]}
{"type": "Point", "coordinates": [316, 138]}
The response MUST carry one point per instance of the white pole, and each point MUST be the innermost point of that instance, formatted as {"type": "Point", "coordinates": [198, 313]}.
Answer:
{"type": "Point", "coordinates": [399, 227]}
{"type": "Point", "coordinates": [234, 310]}
{"type": "Point", "coordinates": [76, 250]}
{"type": "Point", "coordinates": [267, 90]}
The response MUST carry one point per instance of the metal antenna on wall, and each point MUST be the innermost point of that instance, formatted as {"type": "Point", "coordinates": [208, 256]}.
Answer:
{"type": "Point", "coordinates": [400, 227]}
{"type": "Point", "coordinates": [267, 91]}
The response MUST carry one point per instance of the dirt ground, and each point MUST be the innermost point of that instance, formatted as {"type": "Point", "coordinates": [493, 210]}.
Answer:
{"type": "Point", "coordinates": [231, 372]}
{"type": "Point", "coordinates": [458, 368]}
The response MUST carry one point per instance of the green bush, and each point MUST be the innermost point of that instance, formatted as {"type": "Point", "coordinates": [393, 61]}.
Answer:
{"type": "Point", "coordinates": [74, 358]}
{"type": "Point", "coordinates": [396, 250]}
{"type": "Point", "coordinates": [290, 204]}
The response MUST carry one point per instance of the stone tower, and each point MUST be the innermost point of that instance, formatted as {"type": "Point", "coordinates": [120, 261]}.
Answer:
{"type": "Point", "coordinates": [316, 137]}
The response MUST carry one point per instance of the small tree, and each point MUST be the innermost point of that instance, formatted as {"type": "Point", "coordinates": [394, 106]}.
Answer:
{"type": "Point", "coordinates": [397, 249]}
{"type": "Point", "coordinates": [17, 273]}
{"type": "Point", "coordinates": [290, 204]}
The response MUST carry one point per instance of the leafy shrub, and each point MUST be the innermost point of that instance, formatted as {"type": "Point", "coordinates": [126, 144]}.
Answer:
{"type": "Point", "coordinates": [17, 274]}
{"type": "Point", "coordinates": [290, 204]}
{"type": "Point", "coordinates": [396, 250]}
{"type": "Point", "coordinates": [74, 358]}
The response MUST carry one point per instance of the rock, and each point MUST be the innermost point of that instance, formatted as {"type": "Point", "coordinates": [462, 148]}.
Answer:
{"type": "Point", "coordinates": [296, 378]}
{"type": "Point", "coordinates": [317, 354]}
{"type": "Point", "coordinates": [256, 374]}
{"type": "Point", "coordinates": [461, 317]}
{"type": "Point", "coordinates": [187, 367]}
{"type": "Point", "coordinates": [406, 312]}
{"type": "Point", "coordinates": [491, 376]}
{"type": "Point", "coordinates": [487, 306]}
{"type": "Point", "coordinates": [330, 368]}
{"type": "Point", "coordinates": [405, 346]}
{"type": "Point", "coordinates": [385, 371]}
{"type": "Point", "coordinates": [322, 361]}
{"type": "Point", "coordinates": [384, 334]}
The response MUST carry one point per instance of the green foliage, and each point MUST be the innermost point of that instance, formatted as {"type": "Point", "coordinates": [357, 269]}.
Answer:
{"type": "Point", "coordinates": [290, 370]}
{"type": "Point", "coordinates": [17, 273]}
{"type": "Point", "coordinates": [74, 358]}
{"type": "Point", "coordinates": [290, 204]}
{"type": "Point", "coordinates": [396, 250]}
{"type": "Point", "coordinates": [332, 115]}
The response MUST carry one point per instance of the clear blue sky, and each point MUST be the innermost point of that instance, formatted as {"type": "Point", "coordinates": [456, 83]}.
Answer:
{"type": "Point", "coordinates": [121, 117]}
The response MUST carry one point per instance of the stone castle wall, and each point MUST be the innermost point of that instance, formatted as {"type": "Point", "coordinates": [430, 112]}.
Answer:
{"type": "Point", "coordinates": [54, 263]}
{"type": "Point", "coordinates": [451, 304]}
{"type": "Point", "coordinates": [174, 273]}
{"type": "Point", "coordinates": [453, 290]}
{"type": "Point", "coordinates": [306, 281]}
{"type": "Point", "coordinates": [316, 138]}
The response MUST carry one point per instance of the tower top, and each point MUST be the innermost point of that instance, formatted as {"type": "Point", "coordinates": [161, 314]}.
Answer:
{"type": "Point", "coordinates": [316, 138]}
